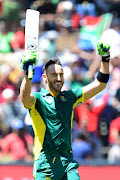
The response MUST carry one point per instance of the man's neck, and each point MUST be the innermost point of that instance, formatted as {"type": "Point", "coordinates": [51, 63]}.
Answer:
{"type": "Point", "coordinates": [52, 92]}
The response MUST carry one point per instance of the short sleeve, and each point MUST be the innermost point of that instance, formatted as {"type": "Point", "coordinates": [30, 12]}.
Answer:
{"type": "Point", "coordinates": [79, 96]}
{"type": "Point", "coordinates": [36, 95]}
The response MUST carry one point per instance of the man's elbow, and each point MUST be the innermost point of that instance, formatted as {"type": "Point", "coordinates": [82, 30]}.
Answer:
{"type": "Point", "coordinates": [102, 85]}
{"type": "Point", "coordinates": [27, 100]}
{"type": "Point", "coordinates": [24, 98]}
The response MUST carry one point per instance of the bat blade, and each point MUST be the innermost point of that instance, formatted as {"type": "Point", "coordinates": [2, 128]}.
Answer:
{"type": "Point", "coordinates": [31, 35]}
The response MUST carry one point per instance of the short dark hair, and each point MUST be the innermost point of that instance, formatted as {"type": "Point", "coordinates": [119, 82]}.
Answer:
{"type": "Point", "coordinates": [50, 62]}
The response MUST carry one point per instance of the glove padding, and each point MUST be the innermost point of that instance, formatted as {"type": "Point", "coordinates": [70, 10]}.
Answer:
{"type": "Point", "coordinates": [104, 51]}
{"type": "Point", "coordinates": [28, 58]}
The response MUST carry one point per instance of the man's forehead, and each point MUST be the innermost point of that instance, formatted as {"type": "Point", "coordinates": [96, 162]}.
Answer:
{"type": "Point", "coordinates": [54, 68]}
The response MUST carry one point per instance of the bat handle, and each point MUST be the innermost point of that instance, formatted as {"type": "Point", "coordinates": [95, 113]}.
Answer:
{"type": "Point", "coordinates": [30, 71]}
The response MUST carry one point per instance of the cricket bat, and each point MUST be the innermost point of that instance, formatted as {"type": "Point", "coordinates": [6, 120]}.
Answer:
{"type": "Point", "coordinates": [31, 35]}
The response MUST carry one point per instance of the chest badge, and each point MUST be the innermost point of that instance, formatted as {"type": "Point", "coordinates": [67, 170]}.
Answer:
{"type": "Point", "coordinates": [63, 98]}
{"type": "Point", "coordinates": [48, 99]}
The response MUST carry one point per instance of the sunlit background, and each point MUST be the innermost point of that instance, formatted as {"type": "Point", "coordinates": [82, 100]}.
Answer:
{"type": "Point", "coordinates": [69, 30]}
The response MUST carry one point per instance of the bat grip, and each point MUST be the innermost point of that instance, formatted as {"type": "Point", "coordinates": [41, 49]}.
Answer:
{"type": "Point", "coordinates": [30, 71]}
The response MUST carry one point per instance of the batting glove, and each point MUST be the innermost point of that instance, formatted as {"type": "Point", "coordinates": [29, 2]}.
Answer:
{"type": "Point", "coordinates": [104, 51]}
{"type": "Point", "coordinates": [28, 58]}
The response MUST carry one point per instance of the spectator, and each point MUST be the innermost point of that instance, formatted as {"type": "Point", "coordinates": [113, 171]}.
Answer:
{"type": "Point", "coordinates": [87, 116]}
{"type": "Point", "coordinates": [5, 70]}
{"type": "Point", "coordinates": [47, 11]}
{"type": "Point", "coordinates": [18, 145]}
{"type": "Point", "coordinates": [85, 8]}
{"type": "Point", "coordinates": [82, 149]}
{"type": "Point", "coordinates": [12, 108]}
{"type": "Point", "coordinates": [18, 39]}
{"type": "Point", "coordinates": [5, 39]}
{"type": "Point", "coordinates": [114, 151]}
{"type": "Point", "coordinates": [109, 113]}
{"type": "Point", "coordinates": [88, 113]}
{"type": "Point", "coordinates": [115, 124]}
{"type": "Point", "coordinates": [11, 11]}
{"type": "Point", "coordinates": [114, 130]}
{"type": "Point", "coordinates": [47, 8]}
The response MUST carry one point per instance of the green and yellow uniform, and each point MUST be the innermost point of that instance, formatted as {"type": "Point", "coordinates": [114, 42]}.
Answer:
{"type": "Point", "coordinates": [52, 122]}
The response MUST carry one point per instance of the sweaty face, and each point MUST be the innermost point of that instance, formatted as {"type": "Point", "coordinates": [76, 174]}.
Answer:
{"type": "Point", "coordinates": [55, 79]}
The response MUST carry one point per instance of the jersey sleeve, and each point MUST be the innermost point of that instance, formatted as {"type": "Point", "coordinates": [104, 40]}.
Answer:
{"type": "Point", "coordinates": [36, 94]}
{"type": "Point", "coordinates": [37, 97]}
{"type": "Point", "coordinates": [78, 96]}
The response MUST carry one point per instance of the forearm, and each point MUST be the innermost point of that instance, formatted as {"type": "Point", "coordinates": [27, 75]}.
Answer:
{"type": "Point", "coordinates": [25, 90]}
{"type": "Point", "coordinates": [104, 68]}
{"type": "Point", "coordinates": [98, 85]}
{"type": "Point", "coordinates": [103, 75]}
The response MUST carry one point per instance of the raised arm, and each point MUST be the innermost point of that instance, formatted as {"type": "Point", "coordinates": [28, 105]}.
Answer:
{"type": "Point", "coordinates": [103, 75]}
{"type": "Point", "coordinates": [25, 90]}
{"type": "Point", "coordinates": [25, 93]}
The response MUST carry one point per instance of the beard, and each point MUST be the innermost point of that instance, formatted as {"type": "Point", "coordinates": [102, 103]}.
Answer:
{"type": "Point", "coordinates": [55, 86]}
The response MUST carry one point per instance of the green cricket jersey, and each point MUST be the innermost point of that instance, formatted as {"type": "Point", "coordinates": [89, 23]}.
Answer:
{"type": "Point", "coordinates": [52, 120]}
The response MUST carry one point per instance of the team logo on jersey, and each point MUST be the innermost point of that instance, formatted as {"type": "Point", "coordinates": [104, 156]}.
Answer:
{"type": "Point", "coordinates": [48, 99]}
{"type": "Point", "coordinates": [63, 98]}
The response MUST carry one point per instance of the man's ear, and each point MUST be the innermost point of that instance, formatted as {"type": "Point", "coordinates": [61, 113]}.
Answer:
{"type": "Point", "coordinates": [44, 77]}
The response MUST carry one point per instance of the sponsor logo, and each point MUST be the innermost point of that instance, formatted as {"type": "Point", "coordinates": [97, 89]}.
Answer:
{"type": "Point", "coordinates": [63, 98]}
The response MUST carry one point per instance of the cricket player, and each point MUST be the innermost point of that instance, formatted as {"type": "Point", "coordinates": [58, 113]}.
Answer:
{"type": "Point", "coordinates": [51, 111]}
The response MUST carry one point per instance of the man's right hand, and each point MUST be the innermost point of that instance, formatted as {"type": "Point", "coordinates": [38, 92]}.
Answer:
{"type": "Point", "coordinates": [27, 59]}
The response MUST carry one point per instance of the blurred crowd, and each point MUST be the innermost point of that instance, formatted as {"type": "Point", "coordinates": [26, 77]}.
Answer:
{"type": "Point", "coordinates": [69, 30]}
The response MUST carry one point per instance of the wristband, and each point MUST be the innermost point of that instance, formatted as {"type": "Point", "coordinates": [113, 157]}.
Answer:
{"type": "Point", "coordinates": [101, 77]}
{"type": "Point", "coordinates": [106, 58]}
